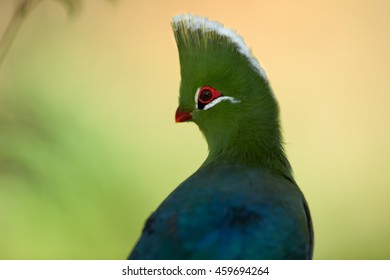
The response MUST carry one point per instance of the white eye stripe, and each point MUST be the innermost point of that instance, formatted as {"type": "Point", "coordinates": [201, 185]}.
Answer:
{"type": "Point", "coordinates": [215, 101]}
{"type": "Point", "coordinates": [220, 99]}
{"type": "Point", "coordinates": [196, 98]}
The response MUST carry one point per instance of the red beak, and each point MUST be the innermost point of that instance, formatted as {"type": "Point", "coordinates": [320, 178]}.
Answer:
{"type": "Point", "coordinates": [182, 116]}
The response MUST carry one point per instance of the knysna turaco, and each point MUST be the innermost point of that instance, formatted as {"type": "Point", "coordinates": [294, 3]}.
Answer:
{"type": "Point", "coordinates": [243, 202]}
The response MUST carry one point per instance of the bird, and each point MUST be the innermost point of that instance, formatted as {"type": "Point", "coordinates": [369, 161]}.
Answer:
{"type": "Point", "coordinates": [242, 202]}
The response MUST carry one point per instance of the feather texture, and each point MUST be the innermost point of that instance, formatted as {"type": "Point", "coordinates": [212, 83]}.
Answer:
{"type": "Point", "coordinates": [229, 212]}
{"type": "Point", "coordinates": [187, 26]}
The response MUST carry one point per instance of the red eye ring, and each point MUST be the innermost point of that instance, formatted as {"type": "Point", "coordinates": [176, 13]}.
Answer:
{"type": "Point", "coordinates": [206, 95]}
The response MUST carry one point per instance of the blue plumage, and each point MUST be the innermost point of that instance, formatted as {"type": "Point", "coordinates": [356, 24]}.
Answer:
{"type": "Point", "coordinates": [229, 212]}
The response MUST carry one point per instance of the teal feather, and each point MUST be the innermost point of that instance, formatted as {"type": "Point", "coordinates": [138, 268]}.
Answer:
{"type": "Point", "coordinates": [230, 212]}
{"type": "Point", "coordinates": [243, 202]}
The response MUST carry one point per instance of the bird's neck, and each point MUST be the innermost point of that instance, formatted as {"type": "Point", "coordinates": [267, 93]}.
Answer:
{"type": "Point", "coordinates": [251, 145]}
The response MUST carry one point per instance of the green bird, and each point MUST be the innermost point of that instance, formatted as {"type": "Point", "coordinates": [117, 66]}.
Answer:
{"type": "Point", "coordinates": [243, 202]}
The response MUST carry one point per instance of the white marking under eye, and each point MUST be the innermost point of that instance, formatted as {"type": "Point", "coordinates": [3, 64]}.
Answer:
{"type": "Point", "coordinates": [215, 101]}
{"type": "Point", "coordinates": [220, 99]}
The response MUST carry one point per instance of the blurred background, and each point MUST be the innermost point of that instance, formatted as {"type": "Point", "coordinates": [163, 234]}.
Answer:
{"type": "Point", "coordinates": [88, 143]}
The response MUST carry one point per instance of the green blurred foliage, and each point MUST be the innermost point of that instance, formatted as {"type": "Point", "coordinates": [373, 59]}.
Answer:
{"type": "Point", "coordinates": [63, 194]}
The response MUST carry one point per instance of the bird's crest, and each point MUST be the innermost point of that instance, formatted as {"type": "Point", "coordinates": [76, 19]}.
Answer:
{"type": "Point", "coordinates": [203, 34]}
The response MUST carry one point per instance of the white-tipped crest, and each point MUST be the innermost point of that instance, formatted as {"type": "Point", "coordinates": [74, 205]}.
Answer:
{"type": "Point", "coordinates": [195, 23]}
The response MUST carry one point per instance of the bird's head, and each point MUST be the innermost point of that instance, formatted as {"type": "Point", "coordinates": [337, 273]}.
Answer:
{"type": "Point", "coordinates": [223, 88]}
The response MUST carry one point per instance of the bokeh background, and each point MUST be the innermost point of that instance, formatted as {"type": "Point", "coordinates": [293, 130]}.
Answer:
{"type": "Point", "coordinates": [88, 143]}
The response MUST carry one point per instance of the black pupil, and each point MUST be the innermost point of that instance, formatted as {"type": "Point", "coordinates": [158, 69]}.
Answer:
{"type": "Point", "coordinates": [206, 95]}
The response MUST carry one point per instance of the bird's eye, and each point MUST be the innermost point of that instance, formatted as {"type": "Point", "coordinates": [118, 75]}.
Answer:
{"type": "Point", "coordinates": [206, 95]}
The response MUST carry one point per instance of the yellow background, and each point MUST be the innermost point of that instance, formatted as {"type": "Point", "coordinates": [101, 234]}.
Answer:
{"type": "Point", "coordinates": [88, 143]}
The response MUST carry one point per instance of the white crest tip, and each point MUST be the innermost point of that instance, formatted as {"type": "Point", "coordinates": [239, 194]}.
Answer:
{"type": "Point", "coordinates": [203, 23]}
